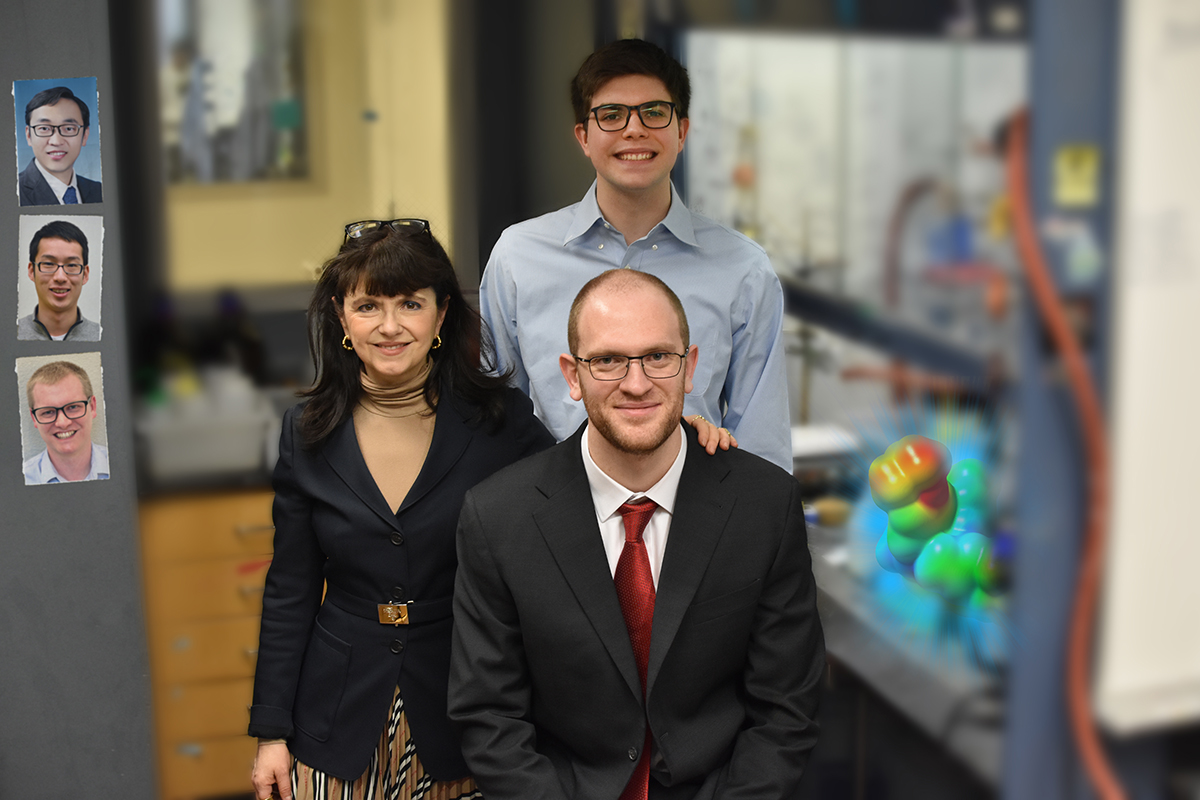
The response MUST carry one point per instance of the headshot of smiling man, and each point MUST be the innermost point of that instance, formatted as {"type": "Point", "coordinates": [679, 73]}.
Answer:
{"type": "Point", "coordinates": [630, 100]}
{"type": "Point", "coordinates": [57, 128]}
{"type": "Point", "coordinates": [51, 301]}
{"type": "Point", "coordinates": [63, 409]}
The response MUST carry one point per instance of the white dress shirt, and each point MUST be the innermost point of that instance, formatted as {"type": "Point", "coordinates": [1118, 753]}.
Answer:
{"type": "Point", "coordinates": [608, 496]}
{"type": "Point", "coordinates": [58, 187]}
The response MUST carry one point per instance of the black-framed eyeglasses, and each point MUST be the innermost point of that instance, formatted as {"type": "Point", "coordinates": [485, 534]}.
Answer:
{"type": "Point", "coordinates": [615, 116]}
{"type": "Point", "coordinates": [357, 229]}
{"type": "Point", "coordinates": [614, 368]}
{"type": "Point", "coordinates": [48, 414]}
{"type": "Point", "coordinates": [49, 268]}
{"type": "Point", "coordinates": [70, 130]}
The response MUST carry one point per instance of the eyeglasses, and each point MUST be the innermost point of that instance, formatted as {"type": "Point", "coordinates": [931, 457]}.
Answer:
{"type": "Point", "coordinates": [49, 268]}
{"type": "Point", "coordinates": [357, 229]}
{"type": "Point", "coordinates": [614, 368]}
{"type": "Point", "coordinates": [615, 116]}
{"type": "Point", "coordinates": [48, 414]}
{"type": "Point", "coordinates": [70, 130]}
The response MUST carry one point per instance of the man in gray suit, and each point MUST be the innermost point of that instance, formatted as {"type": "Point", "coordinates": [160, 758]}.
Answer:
{"type": "Point", "coordinates": [57, 124]}
{"type": "Point", "coordinates": [634, 618]}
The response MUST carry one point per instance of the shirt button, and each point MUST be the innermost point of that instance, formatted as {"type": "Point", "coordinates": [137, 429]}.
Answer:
{"type": "Point", "coordinates": [633, 754]}
{"type": "Point", "coordinates": [608, 226]}
{"type": "Point", "coordinates": [397, 646]}
{"type": "Point", "coordinates": [653, 247]}
{"type": "Point", "coordinates": [397, 538]}
{"type": "Point", "coordinates": [626, 266]}
{"type": "Point", "coordinates": [397, 592]}
{"type": "Point", "coordinates": [601, 247]}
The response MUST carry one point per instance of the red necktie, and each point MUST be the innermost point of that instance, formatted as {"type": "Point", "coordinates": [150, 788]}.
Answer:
{"type": "Point", "coordinates": [635, 591]}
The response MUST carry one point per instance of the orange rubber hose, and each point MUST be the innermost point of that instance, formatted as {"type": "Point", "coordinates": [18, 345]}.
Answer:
{"type": "Point", "coordinates": [1095, 443]}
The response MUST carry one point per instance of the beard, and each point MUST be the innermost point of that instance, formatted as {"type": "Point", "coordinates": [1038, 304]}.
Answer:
{"type": "Point", "coordinates": [636, 440]}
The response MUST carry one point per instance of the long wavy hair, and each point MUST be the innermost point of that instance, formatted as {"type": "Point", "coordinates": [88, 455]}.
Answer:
{"type": "Point", "coordinates": [388, 262]}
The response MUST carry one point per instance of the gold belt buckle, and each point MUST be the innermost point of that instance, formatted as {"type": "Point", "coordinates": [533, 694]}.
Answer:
{"type": "Point", "coordinates": [393, 613]}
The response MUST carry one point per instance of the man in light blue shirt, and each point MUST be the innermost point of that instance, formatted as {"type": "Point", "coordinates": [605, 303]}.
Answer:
{"type": "Point", "coordinates": [630, 100]}
{"type": "Point", "coordinates": [63, 407]}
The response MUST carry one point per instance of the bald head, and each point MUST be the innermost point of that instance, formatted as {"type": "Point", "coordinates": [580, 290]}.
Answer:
{"type": "Point", "coordinates": [614, 284]}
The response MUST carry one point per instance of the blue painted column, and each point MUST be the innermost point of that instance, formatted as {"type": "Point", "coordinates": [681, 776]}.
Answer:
{"type": "Point", "coordinates": [1074, 100]}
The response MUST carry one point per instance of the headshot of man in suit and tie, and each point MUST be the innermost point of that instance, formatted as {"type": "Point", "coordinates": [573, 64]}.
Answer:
{"type": "Point", "coordinates": [57, 125]}
{"type": "Point", "coordinates": [63, 410]}
{"type": "Point", "coordinates": [58, 268]}
{"type": "Point", "coordinates": [634, 618]}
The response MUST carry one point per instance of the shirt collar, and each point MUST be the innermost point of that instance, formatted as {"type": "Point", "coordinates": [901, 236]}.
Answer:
{"type": "Point", "coordinates": [48, 474]}
{"type": "Point", "coordinates": [58, 187]}
{"type": "Point", "coordinates": [608, 495]}
{"type": "Point", "coordinates": [678, 220]}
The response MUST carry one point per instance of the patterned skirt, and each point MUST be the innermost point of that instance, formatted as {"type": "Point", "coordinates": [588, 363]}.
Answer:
{"type": "Point", "coordinates": [395, 772]}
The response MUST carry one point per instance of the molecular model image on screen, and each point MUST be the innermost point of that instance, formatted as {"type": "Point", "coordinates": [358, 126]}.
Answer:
{"type": "Point", "coordinates": [938, 532]}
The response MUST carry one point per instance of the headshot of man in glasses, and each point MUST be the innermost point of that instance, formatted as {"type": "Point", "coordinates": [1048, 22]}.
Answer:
{"type": "Point", "coordinates": [58, 267]}
{"type": "Point", "coordinates": [57, 124]}
{"type": "Point", "coordinates": [63, 408]}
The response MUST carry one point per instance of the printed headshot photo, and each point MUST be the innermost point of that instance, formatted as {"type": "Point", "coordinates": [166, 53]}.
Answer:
{"type": "Point", "coordinates": [58, 141]}
{"type": "Point", "coordinates": [63, 435]}
{"type": "Point", "coordinates": [59, 264]}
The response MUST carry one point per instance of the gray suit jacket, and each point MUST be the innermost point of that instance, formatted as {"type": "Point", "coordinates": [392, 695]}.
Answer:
{"type": "Point", "coordinates": [543, 683]}
{"type": "Point", "coordinates": [36, 192]}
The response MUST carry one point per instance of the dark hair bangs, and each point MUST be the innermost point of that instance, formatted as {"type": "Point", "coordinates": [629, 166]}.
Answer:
{"type": "Point", "coordinates": [384, 271]}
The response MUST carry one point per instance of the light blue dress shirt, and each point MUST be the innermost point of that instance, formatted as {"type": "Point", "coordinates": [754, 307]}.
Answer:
{"type": "Point", "coordinates": [732, 297]}
{"type": "Point", "coordinates": [40, 469]}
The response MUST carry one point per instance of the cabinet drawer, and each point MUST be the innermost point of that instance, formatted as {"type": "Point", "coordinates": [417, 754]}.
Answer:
{"type": "Point", "coordinates": [228, 587]}
{"type": "Point", "coordinates": [210, 526]}
{"type": "Point", "coordinates": [204, 767]}
{"type": "Point", "coordinates": [192, 651]}
{"type": "Point", "coordinates": [204, 710]}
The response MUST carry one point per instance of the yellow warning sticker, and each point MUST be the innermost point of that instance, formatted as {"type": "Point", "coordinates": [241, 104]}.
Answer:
{"type": "Point", "coordinates": [1077, 176]}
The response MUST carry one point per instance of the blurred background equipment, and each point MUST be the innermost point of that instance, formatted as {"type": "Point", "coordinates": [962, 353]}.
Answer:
{"type": "Point", "coordinates": [231, 79]}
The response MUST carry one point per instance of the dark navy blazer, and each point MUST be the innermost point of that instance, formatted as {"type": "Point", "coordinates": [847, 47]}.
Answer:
{"type": "Point", "coordinates": [36, 192]}
{"type": "Point", "coordinates": [327, 669]}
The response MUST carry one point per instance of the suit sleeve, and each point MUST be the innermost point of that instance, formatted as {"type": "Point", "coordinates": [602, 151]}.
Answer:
{"type": "Point", "coordinates": [291, 597]}
{"type": "Point", "coordinates": [490, 694]}
{"type": "Point", "coordinates": [498, 306]}
{"type": "Point", "coordinates": [756, 387]}
{"type": "Point", "coordinates": [782, 681]}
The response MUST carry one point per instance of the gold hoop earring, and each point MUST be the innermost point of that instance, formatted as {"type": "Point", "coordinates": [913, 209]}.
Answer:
{"type": "Point", "coordinates": [346, 343]}
{"type": "Point", "coordinates": [437, 342]}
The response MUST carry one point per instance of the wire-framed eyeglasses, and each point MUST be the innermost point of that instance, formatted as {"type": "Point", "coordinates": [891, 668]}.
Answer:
{"type": "Point", "coordinates": [614, 368]}
{"type": "Point", "coordinates": [615, 116]}
{"type": "Point", "coordinates": [43, 131]}
{"type": "Point", "coordinates": [48, 414]}
{"type": "Point", "coordinates": [357, 229]}
{"type": "Point", "coordinates": [49, 268]}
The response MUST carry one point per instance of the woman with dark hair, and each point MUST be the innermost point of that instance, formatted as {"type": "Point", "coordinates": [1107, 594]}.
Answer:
{"type": "Point", "coordinates": [355, 642]}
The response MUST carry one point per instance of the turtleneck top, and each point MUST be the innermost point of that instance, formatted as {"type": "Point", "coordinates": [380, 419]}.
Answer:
{"type": "Point", "coordinates": [394, 427]}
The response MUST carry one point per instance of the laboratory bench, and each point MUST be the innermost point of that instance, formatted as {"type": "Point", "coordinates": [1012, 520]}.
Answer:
{"type": "Point", "coordinates": [955, 704]}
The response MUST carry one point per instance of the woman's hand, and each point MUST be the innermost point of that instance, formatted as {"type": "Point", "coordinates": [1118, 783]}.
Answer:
{"type": "Point", "coordinates": [272, 773]}
{"type": "Point", "coordinates": [710, 436]}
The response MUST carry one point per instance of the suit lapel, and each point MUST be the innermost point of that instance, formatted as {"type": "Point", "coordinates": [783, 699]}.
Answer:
{"type": "Point", "coordinates": [567, 522]}
{"type": "Point", "coordinates": [450, 439]}
{"type": "Point", "coordinates": [40, 192]}
{"type": "Point", "coordinates": [343, 456]}
{"type": "Point", "coordinates": [702, 509]}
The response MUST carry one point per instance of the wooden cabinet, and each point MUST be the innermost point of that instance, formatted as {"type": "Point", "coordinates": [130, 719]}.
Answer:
{"type": "Point", "coordinates": [205, 560]}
